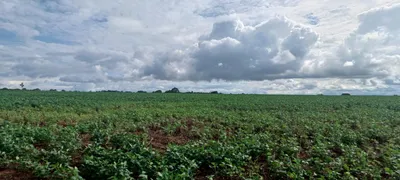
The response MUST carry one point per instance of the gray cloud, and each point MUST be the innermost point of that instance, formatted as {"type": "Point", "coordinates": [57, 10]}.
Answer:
{"type": "Point", "coordinates": [46, 67]}
{"type": "Point", "coordinates": [83, 79]}
{"type": "Point", "coordinates": [109, 60]}
{"type": "Point", "coordinates": [280, 49]}
{"type": "Point", "coordinates": [386, 17]}
{"type": "Point", "coordinates": [371, 50]}
{"type": "Point", "coordinates": [232, 51]}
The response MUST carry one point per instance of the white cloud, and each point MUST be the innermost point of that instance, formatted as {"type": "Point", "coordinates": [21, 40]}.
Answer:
{"type": "Point", "coordinates": [371, 50]}
{"type": "Point", "coordinates": [273, 49]}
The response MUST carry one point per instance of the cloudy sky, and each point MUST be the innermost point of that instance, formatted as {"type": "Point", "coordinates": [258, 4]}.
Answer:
{"type": "Point", "coordinates": [232, 46]}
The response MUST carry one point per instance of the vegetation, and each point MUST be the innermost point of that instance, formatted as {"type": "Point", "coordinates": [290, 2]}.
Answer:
{"type": "Point", "coordinates": [173, 90]}
{"type": "Point", "coordinates": [114, 135]}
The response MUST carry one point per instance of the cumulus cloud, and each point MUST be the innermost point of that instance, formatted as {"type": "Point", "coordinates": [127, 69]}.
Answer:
{"type": "Point", "coordinates": [233, 51]}
{"type": "Point", "coordinates": [371, 50]}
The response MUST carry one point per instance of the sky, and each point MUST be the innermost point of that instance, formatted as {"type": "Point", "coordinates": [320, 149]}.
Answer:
{"type": "Point", "coordinates": [230, 46]}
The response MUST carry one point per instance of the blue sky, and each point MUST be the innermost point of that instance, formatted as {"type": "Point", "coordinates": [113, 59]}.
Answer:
{"type": "Point", "coordinates": [250, 46]}
{"type": "Point", "coordinates": [9, 37]}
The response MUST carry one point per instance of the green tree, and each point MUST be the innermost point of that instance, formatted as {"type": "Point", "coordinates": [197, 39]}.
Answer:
{"type": "Point", "coordinates": [173, 90]}
{"type": "Point", "coordinates": [158, 91]}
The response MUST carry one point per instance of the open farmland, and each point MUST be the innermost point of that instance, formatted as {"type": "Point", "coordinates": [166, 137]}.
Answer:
{"type": "Point", "coordinates": [76, 135]}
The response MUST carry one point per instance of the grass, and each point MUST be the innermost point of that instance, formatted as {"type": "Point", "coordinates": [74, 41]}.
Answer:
{"type": "Point", "coordinates": [110, 135]}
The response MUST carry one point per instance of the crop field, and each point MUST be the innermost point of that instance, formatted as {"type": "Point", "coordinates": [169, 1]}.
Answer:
{"type": "Point", "coordinates": [115, 135]}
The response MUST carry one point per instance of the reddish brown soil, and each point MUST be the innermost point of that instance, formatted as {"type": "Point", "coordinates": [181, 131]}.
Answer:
{"type": "Point", "coordinates": [62, 123]}
{"type": "Point", "coordinates": [138, 132]}
{"type": "Point", "coordinates": [303, 155]}
{"type": "Point", "coordinates": [337, 152]}
{"type": "Point", "coordinates": [262, 161]}
{"type": "Point", "coordinates": [40, 146]}
{"type": "Point", "coordinates": [85, 139]}
{"type": "Point", "coordinates": [182, 135]}
{"type": "Point", "coordinates": [11, 174]}
{"type": "Point", "coordinates": [65, 123]}
{"type": "Point", "coordinates": [77, 158]}
{"type": "Point", "coordinates": [42, 124]}
{"type": "Point", "coordinates": [160, 140]}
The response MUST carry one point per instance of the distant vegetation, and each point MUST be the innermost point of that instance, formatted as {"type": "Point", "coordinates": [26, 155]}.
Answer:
{"type": "Point", "coordinates": [173, 90]}
{"type": "Point", "coordinates": [158, 91]}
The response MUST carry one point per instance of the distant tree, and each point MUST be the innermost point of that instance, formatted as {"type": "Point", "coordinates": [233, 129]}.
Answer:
{"type": "Point", "coordinates": [62, 90]}
{"type": "Point", "coordinates": [214, 92]}
{"type": "Point", "coordinates": [173, 90]}
{"type": "Point", "coordinates": [346, 94]}
{"type": "Point", "coordinates": [158, 91]}
{"type": "Point", "coordinates": [141, 92]}
{"type": "Point", "coordinates": [4, 89]}
{"type": "Point", "coordinates": [53, 89]}
{"type": "Point", "coordinates": [320, 94]}
{"type": "Point", "coordinates": [112, 91]}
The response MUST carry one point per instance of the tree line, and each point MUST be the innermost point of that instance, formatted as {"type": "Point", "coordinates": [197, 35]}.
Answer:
{"type": "Point", "coordinates": [173, 90]}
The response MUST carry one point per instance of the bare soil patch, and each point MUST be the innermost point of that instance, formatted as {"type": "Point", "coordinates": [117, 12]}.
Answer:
{"type": "Point", "coordinates": [42, 124]}
{"type": "Point", "coordinates": [77, 158]}
{"type": "Point", "coordinates": [40, 146]}
{"type": "Point", "coordinates": [85, 138]}
{"type": "Point", "coordinates": [182, 135]}
{"type": "Point", "coordinates": [65, 123]}
{"type": "Point", "coordinates": [336, 152]}
{"type": "Point", "coordinates": [160, 140]}
{"type": "Point", "coordinates": [12, 174]}
{"type": "Point", "coordinates": [303, 154]}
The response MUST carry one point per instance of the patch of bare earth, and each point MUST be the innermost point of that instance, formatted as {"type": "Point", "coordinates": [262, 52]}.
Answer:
{"type": "Point", "coordinates": [86, 139]}
{"type": "Point", "coordinates": [160, 140]}
{"type": "Point", "coordinates": [40, 146]}
{"type": "Point", "coordinates": [77, 158]}
{"type": "Point", "coordinates": [262, 161]}
{"type": "Point", "coordinates": [182, 135]}
{"type": "Point", "coordinates": [12, 174]}
{"type": "Point", "coordinates": [65, 123]}
{"type": "Point", "coordinates": [303, 154]}
{"type": "Point", "coordinates": [42, 124]}
{"type": "Point", "coordinates": [336, 152]}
